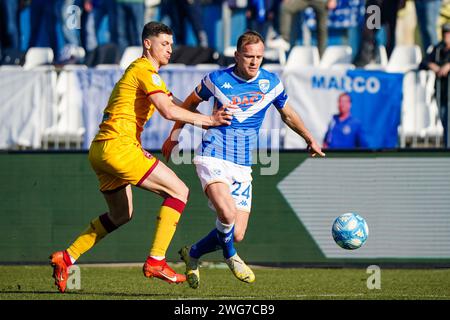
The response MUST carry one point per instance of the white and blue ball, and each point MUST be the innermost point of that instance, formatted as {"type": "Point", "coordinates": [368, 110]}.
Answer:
{"type": "Point", "coordinates": [350, 231]}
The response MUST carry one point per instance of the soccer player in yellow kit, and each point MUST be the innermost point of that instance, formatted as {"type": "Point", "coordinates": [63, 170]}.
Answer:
{"type": "Point", "coordinates": [118, 159]}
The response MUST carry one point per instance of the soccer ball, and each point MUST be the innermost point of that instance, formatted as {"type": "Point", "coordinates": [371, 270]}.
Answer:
{"type": "Point", "coordinates": [350, 231]}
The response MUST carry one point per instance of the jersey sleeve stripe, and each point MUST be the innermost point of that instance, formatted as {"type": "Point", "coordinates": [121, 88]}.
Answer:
{"type": "Point", "coordinates": [153, 92]}
{"type": "Point", "coordinates": [284, 104]}
{"type": "Point", "coordinates": [216, 91]}
{"type": "Point", "coordinates": [195, 91]}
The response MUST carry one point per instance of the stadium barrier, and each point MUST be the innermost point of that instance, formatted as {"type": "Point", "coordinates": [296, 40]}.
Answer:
{"type": "Point", "coordinates": [61, 109]}
{"type": "Point", "coordinates": [403, 195]}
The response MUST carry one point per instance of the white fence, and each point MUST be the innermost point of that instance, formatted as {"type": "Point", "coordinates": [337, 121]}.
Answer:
{"type": "Point", "coordinates": [49, 109]}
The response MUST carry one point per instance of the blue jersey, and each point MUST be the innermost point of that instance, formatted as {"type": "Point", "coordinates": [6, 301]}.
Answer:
{"type": "Point", "coordinates": [235, 142]}
{"type": "Point", "coordinates": [345, 134]}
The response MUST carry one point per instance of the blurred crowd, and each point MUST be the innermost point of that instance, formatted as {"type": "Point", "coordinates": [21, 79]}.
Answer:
{"type": "Point", "coordinates": [65, 25]}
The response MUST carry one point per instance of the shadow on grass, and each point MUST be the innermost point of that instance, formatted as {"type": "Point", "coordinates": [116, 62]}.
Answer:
{"type": "Point", "coordinates": [26, 292]}
{"type": "Point", "coordinates": [84, 293]}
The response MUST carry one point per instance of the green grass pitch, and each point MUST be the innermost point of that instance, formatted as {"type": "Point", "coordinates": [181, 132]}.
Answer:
{"type": "Point", "coordinates": [217, 282]}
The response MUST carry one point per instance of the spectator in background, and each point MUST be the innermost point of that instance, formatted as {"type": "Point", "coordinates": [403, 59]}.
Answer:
{"type": "Point", "coordinates": [444, 16]}
{"type": "Point", "coordinates": [290, 8]}
{"type": "Point", "coordinates": [368, 46]}
{"type": "Point", "coordinates": [151, 10]}
{"type": "Point", "coordinates": [276, 7]}
{"type": "Point", "coordinates": [405, 32]}
{"type": "Point", "coordinates": [47, 18]}
{"type": "Point", "coordinates": [94, 14]}
{"type": "Point", "coordinates": [182, 11]}
{"type": "Point", "coordinates": [88, 35]}
{"type": "Point", "coordinates": [130, 21]}
{"type": "Point", "coordinates": [344, 131]}
{"type": "Point", "coordinates": [261, 15]}
{"type": "Point", "coordinates": [427, 15]}
{"type": "Point", "coordinates": [43, 20]}
{"type": "Point", "coordinates": [439, 62]}
{"type": "Point", "coordinates": [9, 27]}
{"type": "Point", "coordinates": [68, 18]}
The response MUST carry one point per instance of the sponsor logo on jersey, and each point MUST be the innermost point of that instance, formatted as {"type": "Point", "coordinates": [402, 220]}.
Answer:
{"type": "Point", "coordinates": [227, 85]}
{"type": "Point", "coordinates": [246, 99]}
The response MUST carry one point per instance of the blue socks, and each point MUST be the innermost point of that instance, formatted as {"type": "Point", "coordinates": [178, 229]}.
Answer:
{"type": "Point", "coordinates": [220, 237]}
{"type": "Point", "coordinates": [206, 245]}
{"type": "Point", "coordinates": [226, 241]}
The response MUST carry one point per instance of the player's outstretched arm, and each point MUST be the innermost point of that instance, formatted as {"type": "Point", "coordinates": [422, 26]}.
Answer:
{"type": "Point", "coordinates": [171, 111]}
{"type": "Point", "coordinates": [293, 120]}
{"type": "Point", "coordinates": [190, 105]}
{"type": "Point", "coordinates": [176, 101]}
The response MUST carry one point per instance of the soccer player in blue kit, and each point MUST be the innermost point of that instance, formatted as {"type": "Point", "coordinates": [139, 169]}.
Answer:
{"type": "Point", "coordinates": [223, 159]}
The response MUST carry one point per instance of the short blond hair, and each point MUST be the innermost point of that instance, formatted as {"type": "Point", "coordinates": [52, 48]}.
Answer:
{"type": "Point", "coordinates": [249, 37]}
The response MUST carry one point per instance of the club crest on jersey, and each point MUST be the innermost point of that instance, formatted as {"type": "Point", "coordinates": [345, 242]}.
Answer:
{"type": "Point", "coordinates": [156, 80]}
{"type": "Point", "coordinates": [264, 85]}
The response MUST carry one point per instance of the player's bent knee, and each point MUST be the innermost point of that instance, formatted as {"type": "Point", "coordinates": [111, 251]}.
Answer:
{"type": "Point", "coordinates": [185, 193]}
{"type": "Point", "coordinates": [121, 219]}
{"type": "Point", "coordinates": [124, 220]}
{"type": "Point", "coordinates": [227, 214]}
{"type": "Point", "coordinates": [182, 193]}
{"type": "Point", "coordinates": [231, 212]}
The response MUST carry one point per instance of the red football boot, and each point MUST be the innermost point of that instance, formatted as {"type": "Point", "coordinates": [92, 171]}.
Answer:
{"type": "Point", "coordinates": [60, 261]}
{"type": "Point", "coordinates": [161, 270]}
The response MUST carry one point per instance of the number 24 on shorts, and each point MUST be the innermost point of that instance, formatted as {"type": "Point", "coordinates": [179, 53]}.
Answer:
{"type": "Point", "coordinates": [237, 186]}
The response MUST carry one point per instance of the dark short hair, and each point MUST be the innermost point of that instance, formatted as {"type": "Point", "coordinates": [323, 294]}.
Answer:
{"type": "Point", "coordinates": [154, 29]}
{"type": "Point", "coordinates": [249, 37]}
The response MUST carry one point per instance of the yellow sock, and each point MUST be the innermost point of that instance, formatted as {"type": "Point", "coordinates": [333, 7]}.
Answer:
{"type": "Point", "coordinates": [97, 230]}
{"type": "Point", "coordinates": [168, 218]}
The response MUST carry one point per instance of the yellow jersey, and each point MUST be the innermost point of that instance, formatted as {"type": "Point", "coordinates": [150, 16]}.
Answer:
{"type": "Point", "coordinates": [128, 107]}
